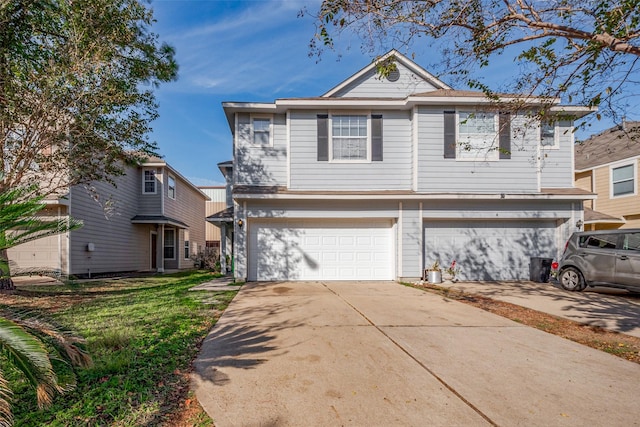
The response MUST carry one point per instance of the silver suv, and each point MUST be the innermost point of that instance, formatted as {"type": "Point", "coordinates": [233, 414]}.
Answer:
{"type": "Point", "coordinates": [601, 258]}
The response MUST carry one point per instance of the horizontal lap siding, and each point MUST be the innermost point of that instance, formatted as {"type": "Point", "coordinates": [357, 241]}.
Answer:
{"type": "Point", "coordinates": [393, 173]}
{"type": "Point", "coordinates": [119, 245]}
{"type": "Point", "coordinates": [322, 209]}
{"type": "Point", "coordinates": [555, 163]}
{"type": "Point", "coordinates": [617, 206]}
{"type": "Point", "coordinates": [372, 86]}
{"type": "Point", "coordinates": [257, 165]}
{"type": "Point", "coordinates": [437, 174]}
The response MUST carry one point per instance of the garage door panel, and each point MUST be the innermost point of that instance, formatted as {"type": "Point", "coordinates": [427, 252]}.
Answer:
{"type": "Point", "coordinates": [489, 250]}
{"type": "Point", "coordinates": [320, 250]}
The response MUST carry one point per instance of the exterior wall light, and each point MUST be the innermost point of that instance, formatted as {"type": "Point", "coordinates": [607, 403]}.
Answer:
{"type": "Point", "coordinates": [240, 223]}
{"type": "Point", "coordinates": [579, 223]}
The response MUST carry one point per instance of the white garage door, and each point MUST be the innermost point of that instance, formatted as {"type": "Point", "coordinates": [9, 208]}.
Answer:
{"type": "Point", "coordinates": [36, 256]}
{"type": "Point", "coordinates": [320, 250]}
{"type": "Point", "coordinates": [489, 250]}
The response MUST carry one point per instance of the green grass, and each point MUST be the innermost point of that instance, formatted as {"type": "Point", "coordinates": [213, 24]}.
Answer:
{"type": "Point", "coordinates": [143, 335]}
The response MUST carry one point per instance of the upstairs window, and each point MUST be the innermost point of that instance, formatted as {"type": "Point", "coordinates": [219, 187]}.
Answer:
{"type": "Point", "coordinates": [477, 136]}
{"type": "Point", "coordinates": [548, 135]}
{"type": "Point", "coordinates": [623, 180]}
{"type": "Point", "coordinates": [349, 137]}
{"type": "Point", "coordinates": [171, 187]}
{"type": "Point", "coordinates": [261, 131]}
{"type": "Point", "coordinates": [149, 181]}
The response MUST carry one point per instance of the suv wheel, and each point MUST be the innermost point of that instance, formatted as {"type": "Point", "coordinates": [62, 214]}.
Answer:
{"type": "Point", "coordinates": [571, 280]}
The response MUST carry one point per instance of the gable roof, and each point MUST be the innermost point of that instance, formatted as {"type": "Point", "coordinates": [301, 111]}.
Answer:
{"type": "Point", "coordinates": [415, 68]}
{"type": "Point", "coordinates": [612, 145]}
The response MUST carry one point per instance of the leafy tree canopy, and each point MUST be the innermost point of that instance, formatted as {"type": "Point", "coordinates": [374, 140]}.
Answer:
{"type": "Point", "coordinates": [76, 89]}
{"type": "Point", "coordinates": [582, 51]}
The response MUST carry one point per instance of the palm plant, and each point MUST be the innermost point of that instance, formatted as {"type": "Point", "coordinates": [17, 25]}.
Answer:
{"type": "Point", "coordinates": [19, 224]}
{"type": "Point", "coordinates": [45, 353]}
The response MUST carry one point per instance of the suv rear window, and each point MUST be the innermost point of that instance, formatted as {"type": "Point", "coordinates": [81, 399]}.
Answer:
{"type": "Point", "coordinates": [599, 241]}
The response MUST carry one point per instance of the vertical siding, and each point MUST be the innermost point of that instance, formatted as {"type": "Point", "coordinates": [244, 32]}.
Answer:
{"type": "Point", "coordinates": [437, 174]}
{"type": "Point", "coordinates": [189, 207]}
{"type": "Point", "coordinates": [258, 165]}
{"type": "Point", "coordinates": [411, 236]}
{"type": "Point", "coordinates": [393, 173]}
{"type": "Point", "coordinates": [370, 85]}
{"type": "Point", "coordinates": [119, 244]}
{"type": "Point", "coordinates": [555, 163]}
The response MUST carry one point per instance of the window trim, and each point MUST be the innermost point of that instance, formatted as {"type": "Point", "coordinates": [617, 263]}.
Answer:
{"type": "Point", "coordinates": [364, 113]}
{"type": "Point", "coordinates": [556, 136]}
{"type": "Point", "coordinates": [171, 178]}
{"type": "Point", "coordinates": [187, 250]}
{"type": "Point", "coordinates": [144, 181]}
{"type": "Point", "coordinates": [164, 243]}
{"type": "Point", "coordinates": [253, 117]}
{"type": "Point", "coordinates": [491, 156]}
{"type": "Point", "coordinates": [634, 167]}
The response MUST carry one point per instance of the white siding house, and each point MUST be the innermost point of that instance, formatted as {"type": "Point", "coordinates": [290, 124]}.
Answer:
{"type": "Point", "coordinates": [379, 178]}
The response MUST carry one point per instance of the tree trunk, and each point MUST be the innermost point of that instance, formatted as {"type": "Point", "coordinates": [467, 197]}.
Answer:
{"type": "Point", "coordinates": [5, 272]}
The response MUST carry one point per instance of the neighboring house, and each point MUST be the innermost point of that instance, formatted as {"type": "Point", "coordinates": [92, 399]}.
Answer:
{"type": "Point", "coordinates": [216, 203]}
{"type": "Point", "coordinates": [607, 164]}
{"type": "Point", "coordinates": [380, 177]}
{"type": "Point", "coordinates": [152, 220]}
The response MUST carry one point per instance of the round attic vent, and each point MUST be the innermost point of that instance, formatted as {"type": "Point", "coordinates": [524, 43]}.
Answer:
{"type": "Point", "coordinates": [394, 75]}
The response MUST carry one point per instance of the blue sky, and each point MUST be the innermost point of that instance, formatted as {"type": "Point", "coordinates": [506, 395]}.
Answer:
{"type": "Point", "coordinates": [250, 50]}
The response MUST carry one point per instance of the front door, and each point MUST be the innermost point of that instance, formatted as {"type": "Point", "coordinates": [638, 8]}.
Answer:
{"type": "Point", "coordinates": [154, 251]}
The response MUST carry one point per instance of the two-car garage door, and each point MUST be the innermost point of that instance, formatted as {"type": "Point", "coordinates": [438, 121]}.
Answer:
{"type": "Point", "coordinates": [320, 249]}
{"type": "Point", "coordinates": [489, 249]}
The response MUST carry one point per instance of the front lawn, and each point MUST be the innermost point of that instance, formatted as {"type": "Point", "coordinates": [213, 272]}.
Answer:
{"type": "Point", "coordinates": [143, 334]}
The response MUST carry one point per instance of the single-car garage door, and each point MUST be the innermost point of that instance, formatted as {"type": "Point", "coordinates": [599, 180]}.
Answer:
{"type": "Point", "coordinates": [489, 250]}
{"type": "Point", "coordinates": [316, 249]}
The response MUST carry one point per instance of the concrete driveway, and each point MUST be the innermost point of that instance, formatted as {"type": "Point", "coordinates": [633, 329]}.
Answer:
{"type": "Point", "coordinates": [382, 354]}
{"type": "Point", "coordinates": [608, 308]}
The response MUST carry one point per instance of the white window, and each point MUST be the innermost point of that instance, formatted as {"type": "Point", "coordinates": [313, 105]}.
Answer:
{"type": "Point", "coordinates": [169, 243]}
{"type": "Point", "coordinates": [171, 187]}
{"type": "Point", "coordinates": [623, 180]}
{"type": "Point", "coordinates": [261, 131]}
{"type": "Point", "coordinates": [187, 252]}
{"type": "Point", "coordinates": [349, 137]}
{"type": "Point", "coordinates": [477, 136]}
{"type": "Point", "coordinates": [548, 135]}
{"type": "Point", "coordinates": [149, 181]}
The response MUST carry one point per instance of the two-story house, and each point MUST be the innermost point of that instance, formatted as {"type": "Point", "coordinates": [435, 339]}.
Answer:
{"type": "Point", "coordinates": [152, 219]}
{"type": "Point", "coordinates": [607, 164]}
{"type": "Point", "coordinates": [379, 178]}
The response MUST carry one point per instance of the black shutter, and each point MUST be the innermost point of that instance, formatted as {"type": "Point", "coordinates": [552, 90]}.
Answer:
{"type": "Point", "coordinates": [449, 134]}
{"type": "Point", "coordinates": [376, 137]}
{"type": "Point", "coordinates": [505, 135]}
{"type": "Point", "coordinates": [323, 137]}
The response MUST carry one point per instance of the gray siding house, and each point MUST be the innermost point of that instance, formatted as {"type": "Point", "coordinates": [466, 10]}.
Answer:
{"type": "Point", "coordinates": [379, 178]}
{"type": "Point", "coordinates": [151, 220]}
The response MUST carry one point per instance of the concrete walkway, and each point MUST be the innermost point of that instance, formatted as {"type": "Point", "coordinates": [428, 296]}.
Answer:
{"type": "Point", "coordinates": [382, 354]}
{"type": "Point", "coordinates": [608, 308]}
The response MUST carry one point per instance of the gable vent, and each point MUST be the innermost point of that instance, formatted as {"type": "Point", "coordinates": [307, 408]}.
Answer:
{"type": "Point", "coordinates": [394, 75]}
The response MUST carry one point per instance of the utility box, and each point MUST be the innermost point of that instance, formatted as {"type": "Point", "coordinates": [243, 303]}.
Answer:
{"type": "Point", "coordinates": [540, 269]}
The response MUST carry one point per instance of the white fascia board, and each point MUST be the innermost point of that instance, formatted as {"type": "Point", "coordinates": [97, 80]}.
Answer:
{"type": "Point", "coordinates": [469, 100]}
{"type": "Point", "coordinates": [230, 108]}
{"type": "Point", "coordinates": [575, 111]}
{"type": "Point", "coordinates": [374, 103]}
{"type": "Point", "coordinates": [442, 196]}
{"type": "Point", "coordinates": [608, 164]}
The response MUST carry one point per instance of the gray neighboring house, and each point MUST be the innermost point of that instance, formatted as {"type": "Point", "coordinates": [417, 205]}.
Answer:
{"type": "Point", "coordinates": [152, 220]}
{"type": "Point", "coordinates": [379, 178]}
